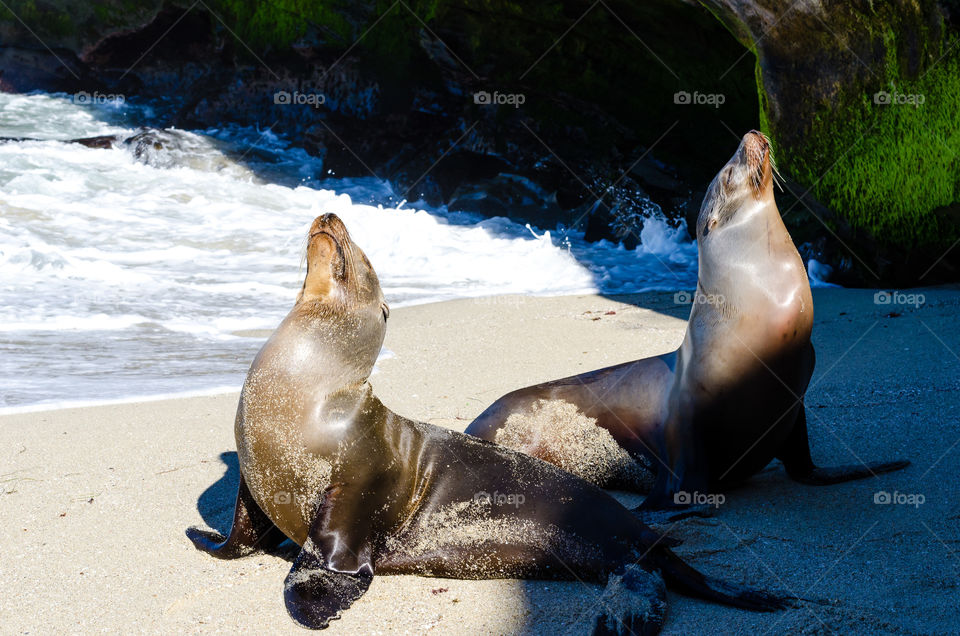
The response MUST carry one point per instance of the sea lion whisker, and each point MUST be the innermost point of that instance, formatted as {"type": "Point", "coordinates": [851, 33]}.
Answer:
{"type": "Point", "coordinates": [775, 172]}
{"type": "Point", "coordinates": [304, 244]}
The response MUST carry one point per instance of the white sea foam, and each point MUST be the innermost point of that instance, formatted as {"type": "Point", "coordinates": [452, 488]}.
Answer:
{"type": "Point", "coordinates": [123, 275]}
{"type": "Point", "coordinates": [818, 273]}
{"type": "Point", "coordinates": [53, 404]}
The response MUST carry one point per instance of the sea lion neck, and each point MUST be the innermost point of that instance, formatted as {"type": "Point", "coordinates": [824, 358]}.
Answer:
{"type": "Point", "coordinates": [328, 343]}
{"type": "Point", "coordinates": [751, 257]}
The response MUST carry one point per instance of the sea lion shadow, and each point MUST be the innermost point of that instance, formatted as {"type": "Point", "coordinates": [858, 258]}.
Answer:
{"type": "Point", "coordinates": [217, 503]}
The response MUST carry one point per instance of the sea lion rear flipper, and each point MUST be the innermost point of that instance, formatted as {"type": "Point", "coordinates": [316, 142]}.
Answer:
{"type": "Point", "coordinates": [335, 565]}
{"type": "Point", "coordinates": [657, 517]}
{"type": "Point", "coordinates": [683, 577]}
{"type": "Point", "coordinates": [252, 531]}
{"type": "Point", "coordinates": [634, 602]}
{"type": "Point", "coordinates": [795, 455]}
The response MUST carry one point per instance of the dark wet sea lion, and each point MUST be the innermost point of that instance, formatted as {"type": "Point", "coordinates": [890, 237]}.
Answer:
{"type": "Point", "coordinates": [363, 490]}
{"type": "Point", "coordinates": [730, 399]}
{"type": "Point", "coordinates": [101, 141]}
{"type": "Point", "coordinates": [140, 143]}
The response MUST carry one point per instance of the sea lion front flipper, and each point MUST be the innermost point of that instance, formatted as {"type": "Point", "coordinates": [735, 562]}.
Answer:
{"type": "Point", "coordinates": [252, 531]}
{"type": "Point", "coordinates": [682, 471]}
{"type": "Point", "coordinates": [795, 455]}
{"type": "Point", "coordinates": [315, 594]}
{"type": "Point", "coordinates": [335, 565]}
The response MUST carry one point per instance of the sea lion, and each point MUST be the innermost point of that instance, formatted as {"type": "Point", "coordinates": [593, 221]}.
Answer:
{"type": "Point", "coordinates": [363, 490]}
{"type": "Point", "coordinates": [144, 144]}
{"type": "Point", "coordinates": [105, 142]}
{"type": "Point", "coordinates": [730, 400]}
{"type": "Point", "coordinates": [101, 141]}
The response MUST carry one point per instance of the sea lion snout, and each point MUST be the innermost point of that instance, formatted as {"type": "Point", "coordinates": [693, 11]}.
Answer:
{"type": "Point", "coordinates": [328, 252]}
{"type": "Point", "coordinates": [329, 219]}
{"type": "Point", "coordinates": [338, 270]}
{"type": "Point", "coordinates": [755, 149]}
{"type": "Point", "coordinates": [329, 223]}
{"type": "Point", "coordinates": [756, 162]}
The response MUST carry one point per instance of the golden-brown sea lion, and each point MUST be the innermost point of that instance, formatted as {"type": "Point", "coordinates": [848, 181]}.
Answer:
{"type": "Point", "coordinates": [363, 490]}
{"type": "Point", "coordinates": [730, 399]}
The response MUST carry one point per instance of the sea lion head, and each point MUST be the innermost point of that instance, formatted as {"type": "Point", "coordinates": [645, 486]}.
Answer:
{"type": "Point", "coordinates": [341, 295]}
{"type": "Point", "coordinates": [748, 262]}
{"type": "Point", "coordinates": [743, 185]}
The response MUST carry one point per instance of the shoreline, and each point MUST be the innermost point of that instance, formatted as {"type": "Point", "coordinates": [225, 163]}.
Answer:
{"type": "Point", "coordinates": [505, 300]}
{"type": "Point", "coordinates": [97, 498]}
{"type": "Point", "coordinates": [43, 407]}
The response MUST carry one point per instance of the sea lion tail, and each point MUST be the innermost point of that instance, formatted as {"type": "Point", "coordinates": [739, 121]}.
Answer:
{"type": "Point", "coordinates": [634, 602]}
{"type": "Point", "coordinates": [682, 577]}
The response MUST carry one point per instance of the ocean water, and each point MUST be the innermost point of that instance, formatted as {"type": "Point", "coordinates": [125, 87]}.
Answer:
{"type": "Point", "coordinates": [125, 275]}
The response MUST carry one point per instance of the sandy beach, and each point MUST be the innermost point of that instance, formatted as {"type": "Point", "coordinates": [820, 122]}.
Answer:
{"type": "Point", "coordinates": [95, 500]}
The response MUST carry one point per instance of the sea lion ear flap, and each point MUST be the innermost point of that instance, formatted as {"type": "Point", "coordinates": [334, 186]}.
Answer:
{"type": "Point", "coordinates": [385, 309]}
{"type": "Point", "coordinates": [726, 176]}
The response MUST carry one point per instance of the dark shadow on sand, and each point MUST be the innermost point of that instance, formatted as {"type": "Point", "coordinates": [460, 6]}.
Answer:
{"type": "Point", "coordinates": [216, 504]}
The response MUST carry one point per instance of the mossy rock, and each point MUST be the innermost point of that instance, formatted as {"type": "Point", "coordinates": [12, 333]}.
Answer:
{"type": "Point", "coordinates": [69, 24]}
{"type": "Point", "coordinates": [861, 100]}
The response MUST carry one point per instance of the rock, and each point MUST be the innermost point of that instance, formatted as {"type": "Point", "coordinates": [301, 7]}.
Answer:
{"type": "Point", "coordinates": [539, 110]}
{"type": "Point", "coordinates": [31, 69]}
{"type": "Point", "coordinates": [855, 96]}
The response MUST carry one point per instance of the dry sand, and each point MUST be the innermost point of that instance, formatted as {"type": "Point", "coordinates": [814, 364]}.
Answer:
{"type": "Point", "coordinates": [94, 501]}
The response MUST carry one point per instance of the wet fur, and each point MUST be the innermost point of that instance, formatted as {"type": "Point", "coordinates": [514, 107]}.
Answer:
{"type": "Point", "coordinates": [367, 491]}
{"type": "Point", "coordinates": [733, 398]}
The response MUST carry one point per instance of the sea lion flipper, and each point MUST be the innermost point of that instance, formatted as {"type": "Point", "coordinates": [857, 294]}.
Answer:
{"type": "Point", "coordinates": [634, 602]}
{"type": "Point", "coordinates": [795, 455]}
{"type": "Point", "coordinates": [679, 575]}
{"type": "Point", "coordinates": [682, 473]}
{"type": "Point", "coordinates": [315, 594]}
{"type": "Point", "coordinates": [655, 517]}
{"type": "Point", "coordinates": [839, 474]}
{"type": "Point", "coordinates": [335, 565]}
{"type": "Point", "coordinates": [252, 531]}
